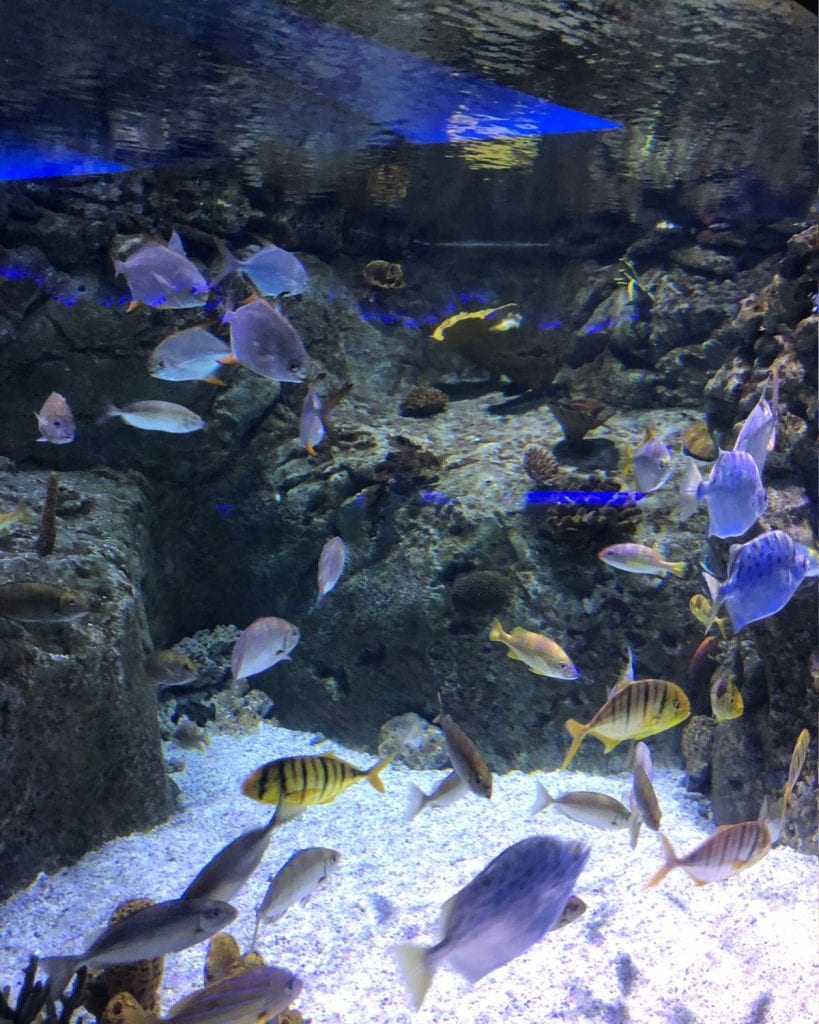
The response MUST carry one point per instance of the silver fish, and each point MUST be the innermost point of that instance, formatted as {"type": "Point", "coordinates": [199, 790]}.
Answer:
{"type": "Point", "coordinates": [266, 342]}
{"type": "Point", "coordinates": [259, 994]}
{"type": "Point", "coordinates": [271, 270]}
{"type": "Point", "coordinates": [294, 883]}
{"type": "Point", "coordinates": [733, 492]}
{"type": "Point", "coordinates": [162, 275]}
{"type": "Point", "coordinates": [763, 576]}
{"type": "Point", "coordinates": [595, 809]}
{"type": "Point", "coordinates": [650, 464]}
{"type": "Point", "coordinates": [264, 643]}
{"type": "Point", "coordinates": [192, 354]}
{"type": "Point", "coordinates": [225, 874]}
{"type": "Point", "coordinates": [56, 421]}
{"type": "Point", "coordinates": [330, 566]}
{"type": "Point", "coordinates": [311, 423]}
{"type": "Point", "coordinates": [757, 436]}
{"type": "Point", "coordinates": [451, 788]}
{"type": "Point", "coordinates": [504, 910]}
{"type": "Point", "coordinates": [167, 417]}
{"type": "Point", "coordinates": [148, 933]}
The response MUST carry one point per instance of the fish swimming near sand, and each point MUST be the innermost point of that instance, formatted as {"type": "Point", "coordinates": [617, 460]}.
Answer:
{"type": "Point", "coordinates": [309, 779]}
{"type": "Point", "coordinates": [263, 644]}
{"type": "Point", "coordinates": [166, 417]}
{"type": "Point", "coordinates": [311, 421]}
{"type": "Point", "coordinates": [295, 882]}
{"type": "Point", "coordinates": [650, 465]}
{"type": "Point", "coordinates": [645, 805]}
{"type": "Point", "coordinates": [588, 808]}
{"type": "Point", "coordinates": [763, 575]}
{"type": "Point", "coordinates": [757, 436]}
{"type": "Point", "coordinates": [800, 753]}
{"type": "Point", "coordinates": [731, 849]}
{"type": "Point", "coordinates": [465, 758]}
{"type": "Point", "coordinates": [162, 275]}
{"type": "Point", "coordinates": [643, 709]}
{"type": "Point", "coordinates": [331, 564]}
{"type": "Point", "coordinates": [250, 997]}
{"type": "Point", "coordinates": [19, 514]}
{"type": "Point", "coordinates": [272, 271]}
{"type": "Point", "coordinates": [192, 354]}
{"type": "Point", "coordinates": [56, 421]}
{"type": "Point", "coordinates": [265, 341]}
{"type": "Point", "coordinates": [640, 559]}
{"type": "Point", "coordinates": [226, 873]}
{"type": "Point", "coordinates": [40, 602]}
{"type": "Point", "coordinates": [733, 493]}
{"type": "Point", "coordinates": [500, 914]}
{"type": "Point", "coordinates": [541, 655]}
{"type": "Point", "coordinates": [451, 788]}
{"type": "Point", "coordinates": [143, 935]}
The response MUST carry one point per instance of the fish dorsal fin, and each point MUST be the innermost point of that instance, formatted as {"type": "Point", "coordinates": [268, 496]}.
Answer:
{"type": "Point", "coordinates": [175, 244]}
{"type": "Point", "coordinates": [733, 551]}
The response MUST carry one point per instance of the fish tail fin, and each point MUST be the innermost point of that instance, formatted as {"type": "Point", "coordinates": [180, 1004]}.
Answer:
{"type": "Point", "coordinates": [228, 266]}
{"type": "Point", "coordinates": [110, 411]}
{"type": "Point", "coordinates": [119, 266]}
{"type": "Point", "coordinates": [373, 775]}
{"type": "Point", "coordinates": [628, 462]}
{"type": "Point", "coordinates": [671, 861]}
{"type": "Point", "coordinates": [496, 630]}
{"type": "Point", "coordinates": [23, 513]}
{"type": "Point", "coordinates": [415, 802]}
{"type": "Point", "coordinates": [690, 492]}
{"type": "Point", "coordinates": [213, 380]}
{"type": "Point", "coordinates": [679, 569]}
{"type": "Point", "coordinates": [577, 731]}
{"type": "Point", "coordinates": [415, 970]}
{"type": "Point", "coordinates": [635, 822]}
{"type": "Point", "coordinates": [58, 970]}
{"type": "Point", "coordinates": [716, 599]}
{"type": "Point", "coordinates": [228, 360]}
{"type": "Point", "coordinates": [543, 798]}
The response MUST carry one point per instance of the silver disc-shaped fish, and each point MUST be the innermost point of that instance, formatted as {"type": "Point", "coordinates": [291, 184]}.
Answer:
{"type": "Point", "coordinates": [264, 643]}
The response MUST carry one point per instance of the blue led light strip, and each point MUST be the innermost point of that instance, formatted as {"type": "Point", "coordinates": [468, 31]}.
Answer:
{"type": "Point", "coordinates": [25, 159]}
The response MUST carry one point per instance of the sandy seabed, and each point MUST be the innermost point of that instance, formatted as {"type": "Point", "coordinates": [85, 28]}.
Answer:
{"type": "Point", "coordinates": [737, 952]}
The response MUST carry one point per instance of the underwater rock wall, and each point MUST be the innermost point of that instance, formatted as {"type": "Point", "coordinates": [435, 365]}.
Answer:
{"type": "Point", "coordinates": [81, 755]}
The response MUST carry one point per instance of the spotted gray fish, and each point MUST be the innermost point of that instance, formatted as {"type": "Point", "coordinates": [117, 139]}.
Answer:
{"type": "Point", "coordinates": [502, 912]}
{"type": "Point", "coordinates": [259, 994]}
{"type": "Point", "coordinates": [733, 492]}
{"type": "Point", "coordinates": [225, 874]}
{"type": "Point", "coordinates": [266, 342]}
{"type": "Point", "coordinates": [162, 275]}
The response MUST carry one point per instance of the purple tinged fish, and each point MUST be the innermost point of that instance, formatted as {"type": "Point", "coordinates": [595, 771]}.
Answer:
{"type": "Point", "coordinates": [757, 436]}
{"type": "Point", "coordinates": [650, 464]}
{"type": "Point", "coordinates": [264, 643]}
{"type": "Point", "coordinates": [763, 576]}
{"type": "Point", "coordinates": [733, 492]}
{"type": "Point", "coordinates": [162, 275]}
{"type": "Point", "coordinates": [266, 342]}
{"type": "Point", "coordinates": [56, 421]}
{"type": "Point", "coordinates": [226, 873]}
{"type": "Point", "coordinates": [252, 996]}
{"type": "Point", "coordinates": [271, 270]}
{"type": "Point", "coordinates": [167, 417]}
{"type": "Point", "coordinates": [330, 566]}
{"type": "Point", "coordinates": [311, 423]}
{"type": "Point", "coordinates": [192, 354]}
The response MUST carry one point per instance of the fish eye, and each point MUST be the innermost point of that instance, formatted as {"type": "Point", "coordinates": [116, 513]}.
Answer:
{"type": "Point", "coordinates": [58, 423]}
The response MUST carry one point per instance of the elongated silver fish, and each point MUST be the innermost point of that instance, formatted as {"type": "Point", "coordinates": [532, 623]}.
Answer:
{"type": "Point", "coordinates": [589, 808]}
{"type": "Point", "coordinates": [259, 994]}
{"type": "Point", "coordinates": [148, 933]}
{"type": "Point", "coordinates": [733, 492]}
{"type": "Point", "coordinates": [451, 788]}
{"type": "Point", "coordinates": [264, 643]}
{"type": "Point", "coordinates": [162, 275]}
{"type": "Point", "coordinates": [331, 564]}
{"type": "Point", "coordinates": [294, 883]}
{"type": "Point", "coordinates": [167, 417]}
{"type": "Point", "coordinates": [192, 354]}
{"type": "Point", "coordinates": [225, 874]}
{"type": "Point", "coordinates": [508, 907]}
{"type": "Point", "coordinates": [56, 421]}
{"type": "Point", "coordinates": [266, 342]}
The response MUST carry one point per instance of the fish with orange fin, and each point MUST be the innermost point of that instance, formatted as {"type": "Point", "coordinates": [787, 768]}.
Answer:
{"type": "Point", "coordinates": [731, 849]}
{"type": "Point", "coordinates": [265, 341]}
{"type": "Point", "coordinates": [192, 354]}
{"type": "Point", "coordinates": [160, 274]}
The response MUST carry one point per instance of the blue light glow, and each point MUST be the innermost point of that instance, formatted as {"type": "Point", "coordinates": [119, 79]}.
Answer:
{"type": "Point", "coordinates": [583, 497]}
{"type": "Point", "coordinates": [22, 159]}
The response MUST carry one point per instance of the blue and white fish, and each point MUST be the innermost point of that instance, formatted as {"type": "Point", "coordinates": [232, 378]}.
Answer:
{"type": "Point", "coordinates": [162, 275]}
{"type": "Point", "coordinates": [192, 354]}
{"type": "Point", "coordinates": [733, 492]}
{"type": "Point", "coordinates": [263, 644]}
{"type": "Point", "coordinates": [330, 566]}
{"type": "Point", "coordinates": [757, 436]}
{"type": "Point", "coordinates": [266, 342]}
{"type": "Point", "coordinates": [271, 270]}
{"type": "Point", "coordinates": [650, 464]}
{"type": "Point", "coordinates": [763, 576]}
{"type": "Point", "coordinates": [311, 422]}
{"type": "Point", "coordinates": [168, 417]}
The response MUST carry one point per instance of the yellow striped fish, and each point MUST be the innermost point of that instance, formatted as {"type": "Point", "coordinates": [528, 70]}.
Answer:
{"type": "Point", "coordinates": [310, 779]}
{"type": "Point", "coordinates": [731, 849]}
{"type": "Point", "coordinates": [644, 708]}
{"type": "Point", "coordinates": [800, 752]}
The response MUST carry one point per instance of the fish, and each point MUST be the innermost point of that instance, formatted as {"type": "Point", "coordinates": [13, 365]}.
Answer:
{"type": "Point", "coordinates": [543, 656]}
{"type": "Point", "coordinates": [575, 907]}
{"type": "Point", "coordinates": [704, 662]}
{"type": "Point", "coordinates": [731, 849]}
{"type": "Point", "coordinates": [311, 421]}
{"type": "Point", "coordinates": [462, 328]}
{"type": "Point", "coordinates": [500, 914]}
{"type": "Point", "coordinates": [251, 997]}
{"type": "Point", "coordinates": [646, 805]}
{"type": "Point", "coordinates": [650, 464]}
{"type": "Point", "coordinates": [700, 608]}
{"type": "Point", "coordinates": [56, 421]}
{"type": "Point", "coordinates": [640, 559]}
{"type": "Point", "coordinates": [266, 342]}
{"type": "Point", "coordinates": [762, 576]}
{"type": "Point", "coordinates": [330, 566]}
{"type": "Point", "coordinates": [167, 417]}
{"type": "Point", "coordinates": [626, 677]}
{"type": "Point", "coordinates": [309, 779]}
{"type": "Point", "coordinates": [189, 735]}
{"type": "Point", "coordinates": [757, 436]}
{"type": "Point", "coordinates": [170, 668]}
{"type": "Point", "coordinates": [800, 752]}
{"type": "Point", "coordinates": [144, 935]}
{"type": "Point", "coordinates": [300, 876]}
{"type": "Point", "coordinates": [162, 275]}
{"type": "Point", "coordinates": [271, 270]}
{"type": "Point", "coordinates": [588, 808]}
{"type": "Point", "coordinates": [726, 700]}
{"type": "Point", "coordinates": [40, 602]}
{"type": "Point", "coordinates": [464, 756]}
{"type": "Point", "coordinates": [263, 644]}
{"type": "Point", "coordinates": [225, 873]}
{"type": "Point", "coordinates": [643, 709]}
{"type": "Point", "coordinates": [192, 354]}
{"type": "Point", "coordinates": [733, 493]}
{"type": "Point", "coordinates": [19, 514]}
{"type": "Point", "coordinates": [451, 788]}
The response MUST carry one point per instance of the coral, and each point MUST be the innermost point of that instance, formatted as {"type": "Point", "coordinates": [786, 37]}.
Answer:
{"type": "Point", "coordinates": [413, 740]}
{"type": "Point", "coordinates": [577, 416]}
{"type": "Point", "coordinates": [381, 274]}
{"type": "Point", "coordinates": [422, 401]}
{"type": "Point", "coordinates": [698, 443]}
{"type": "Point", "coordinates": [697, 741]}
{"type": "Point", "coordinates": [576, 523]}
{"type": "Point", "coordinates": [31, 1004]}
{"type": "Point", "coordinates": [292, 1016]}
{"type": "Point", "coordinates": [47, 536]}
{"type": "Point", "coordinates": [124, 1009]}
{"type": "Point", "coordinates": [541, 466]}
{"type": "Point", "coordinates": [481, 590]}
{"type": "Point", "coordinates": [223, 955]}
{"type": "Point", "coordinates": [141, 979]}
{"type": "Point", "coordinates": [407, 466]}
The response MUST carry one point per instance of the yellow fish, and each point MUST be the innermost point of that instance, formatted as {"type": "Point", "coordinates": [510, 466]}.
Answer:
{"type": "Point", "coordinates": [543, 656]}
{"type": "Point", "coordinates": [726, 700]}
{"type": "Point", "coordinates": [644, 708]}
{"type": "Point", "coordinates": [310, 779]}
{"type": "Point", "coordinates": [701, 608]}
{"type": "Point", "coordinates": [800, 752]}
{"type": "Point", "coordinates": [465, 327]}
{"type": "Point", "coordinates": [731, 849]}
{"type": "Point", "coordinates": [20, 514]}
